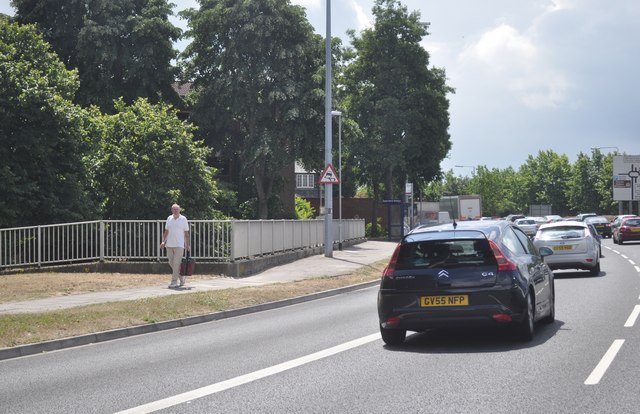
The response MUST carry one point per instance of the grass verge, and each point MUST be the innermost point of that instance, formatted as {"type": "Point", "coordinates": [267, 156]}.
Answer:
{"type": "Point", "coordinates": [21, 329]}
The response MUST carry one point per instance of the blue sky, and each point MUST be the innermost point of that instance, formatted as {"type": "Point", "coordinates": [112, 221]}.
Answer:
{"type": "Point", "coordinates": [529, 76]}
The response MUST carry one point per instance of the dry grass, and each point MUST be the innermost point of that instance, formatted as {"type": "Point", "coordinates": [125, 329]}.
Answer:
{"type": "Point", "coordinates": [28, 286]}
{"type": "Point", "coordinates": [19, 329]}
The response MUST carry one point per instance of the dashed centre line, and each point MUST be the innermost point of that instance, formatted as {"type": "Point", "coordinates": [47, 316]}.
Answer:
{"type": "Point", "coordinates": [605, 362]}
{"type": "Point", "coordinates": [632, 318]}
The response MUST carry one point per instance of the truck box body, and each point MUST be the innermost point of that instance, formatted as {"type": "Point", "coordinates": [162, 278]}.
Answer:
{"type": "Point", "coordinates": [462, 207]}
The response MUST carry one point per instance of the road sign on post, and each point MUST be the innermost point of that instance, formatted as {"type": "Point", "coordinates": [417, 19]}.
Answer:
{"type": "Point", "coordinates": [329, 176]}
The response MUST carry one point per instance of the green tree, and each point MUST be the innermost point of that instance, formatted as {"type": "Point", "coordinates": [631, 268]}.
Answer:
{"type": "Point", "coordinates": [604, 182]}
{"type": "Point", "coordinates": [582, 195]}
{"type": "Point", "coordinates": [494, 186]}
{"type": "Point", "coordinates": [304, 210]}
{"type": "Point", "coordinates": [399, 103]}
{"type": "Point", "coordinates": [122, 48]}
{"type": "Point", "coordinates": [545, 179]}
{"type": "Point", "coordinates": [255, 65]}
{"type": "Point", "coordinates": [148, 160]}
{"type": "Point", "coordinates": [42, 138]}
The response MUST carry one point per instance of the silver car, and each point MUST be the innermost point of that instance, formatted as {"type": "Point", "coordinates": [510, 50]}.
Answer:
{"type": "Point", "coordinates": [573, 245]}
{"type": "Point", "coordinates": [528, 226]}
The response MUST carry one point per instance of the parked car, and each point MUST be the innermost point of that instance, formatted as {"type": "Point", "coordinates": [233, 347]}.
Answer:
{"type": "Point", "coordinates": [528, 225]}
{"type": "Point", "coordinates": [573, 245]}
{"type": "Point", "coordinates": [601, 224]}
{"type": "Point", "coordinates": [629, 229]}
{"type": "Point", "coordinates": [465, 273]}
{"type": "Point", "coordinates": [553, 218]}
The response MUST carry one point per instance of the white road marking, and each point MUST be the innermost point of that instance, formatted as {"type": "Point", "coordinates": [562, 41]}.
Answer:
{"type": "Point", "coordinates": [253, 376]}
{"type": "Point", "coordinates": [623, 256]}
{"type": "Point", "coordinates": [632, 262]}
{"type": "Point", "coordinates": [615, 251]}
{"type": "Point", "coordinates": [637, 269]}
{"type": "Point", "coordinates": [603, 365]}
{"type": "Point", "coordinates": [632, 318]}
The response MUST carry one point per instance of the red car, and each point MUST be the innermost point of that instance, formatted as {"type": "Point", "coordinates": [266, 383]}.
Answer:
{"type": "Point", "coordinates": [628, 230]}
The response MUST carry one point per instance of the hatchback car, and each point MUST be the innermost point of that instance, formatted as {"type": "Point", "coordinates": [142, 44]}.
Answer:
{"type": "Point", "coordinates": [601, 224]}
{"type": "Point", "coordinates": [466, 273]}
{"type": "Point", "coordinates": [618, 220]}
{"type": "Point", "coordinates": [528, 225]}
{"type": "Point", "coordinates": [629, 229]}
{"type": "Point", "coordinates": [573, 245]}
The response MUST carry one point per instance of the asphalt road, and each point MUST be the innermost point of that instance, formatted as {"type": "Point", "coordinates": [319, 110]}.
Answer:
{"type": "Point", "coordinates": [326, 356]}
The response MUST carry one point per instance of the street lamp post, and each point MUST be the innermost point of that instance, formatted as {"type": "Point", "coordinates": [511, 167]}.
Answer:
{"type": "Point", "coordinates": [328, 188]}
{"type": "Point", "coordinates": [339, 115]}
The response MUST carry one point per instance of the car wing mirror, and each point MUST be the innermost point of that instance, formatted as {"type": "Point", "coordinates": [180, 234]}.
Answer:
{"type": "Point", "coordinates": [545, 251]}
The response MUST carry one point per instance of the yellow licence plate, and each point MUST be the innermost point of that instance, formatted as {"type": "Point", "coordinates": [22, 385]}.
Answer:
{"type": "Point", "coordinates": [444, 300]}
{"type": "Point", "coordinates": [564, 247]}
{"type": "Point", "coordinates": [635, 229]}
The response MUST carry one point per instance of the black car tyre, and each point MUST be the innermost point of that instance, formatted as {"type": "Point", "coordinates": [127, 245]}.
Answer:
{"type": "Point", "coordinates": [393, 337]}
{"type": "Point", "coordinates": [596, 269]}
{"type": "Point", "coordinates": [524, 330]}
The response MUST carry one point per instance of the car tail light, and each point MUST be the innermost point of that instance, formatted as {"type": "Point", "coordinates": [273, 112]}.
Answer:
{"type": "Point", "coordinates": [502, 317]}
{"type": "Point", "coordinates": [503, 262]}
{"type": "Point", "coordinates": [391, 267]}
{"type": "Point", "coordinates": [391, 322]}
{"type": "Point", "coordinates": [624, 229]}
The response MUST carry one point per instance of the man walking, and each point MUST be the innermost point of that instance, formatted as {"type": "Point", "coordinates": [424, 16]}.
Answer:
{"type": "Point", "coordinates": [175, 239]}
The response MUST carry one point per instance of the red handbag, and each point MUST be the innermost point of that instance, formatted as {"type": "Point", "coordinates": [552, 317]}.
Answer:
{"type": "Point", "coordinates": [187, 266]}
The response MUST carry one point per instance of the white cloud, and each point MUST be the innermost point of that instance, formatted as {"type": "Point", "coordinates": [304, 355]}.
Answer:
{"type": "Point", "coordinates": [514, 62]}
{"type": "Point", "coordinates": [502, 48]}
{"type": "Point", "coordinates": [364, 22]}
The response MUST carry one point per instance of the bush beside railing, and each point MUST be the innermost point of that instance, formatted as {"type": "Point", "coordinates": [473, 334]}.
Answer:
{"type": "Point", "coordinates": [129, 240]}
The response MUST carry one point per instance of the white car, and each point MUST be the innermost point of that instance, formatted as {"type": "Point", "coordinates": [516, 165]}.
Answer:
{"type": "Point", "coordinates": [528, 226]}
{"type": "Point", "coordinates": [573, 245]}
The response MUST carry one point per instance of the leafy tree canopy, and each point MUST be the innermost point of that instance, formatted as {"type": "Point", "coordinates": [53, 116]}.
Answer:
{"type": "Point", "coordinates": [399, 103]}
{"type": "Point", "coordinates": [149, 160]}
{"type": "Point", "coordinates": [122, 48]}
{"type": "Point", "coordinates": [42, 138]}
{"type": "Point", "coordinates": [254, 64]}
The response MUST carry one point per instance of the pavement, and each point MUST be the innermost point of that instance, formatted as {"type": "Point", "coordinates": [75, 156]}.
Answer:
{"type": "Point", "coordinates": [343, 262]}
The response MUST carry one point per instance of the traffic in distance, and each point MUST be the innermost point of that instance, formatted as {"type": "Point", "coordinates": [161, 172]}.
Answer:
{"type": "Point", "coordinates": [489, 271]}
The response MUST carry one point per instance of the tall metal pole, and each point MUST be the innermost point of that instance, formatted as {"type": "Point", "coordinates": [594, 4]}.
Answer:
{"type": "Point", "coordinates": [340, 183]}
{"type": "Point", "coordinates": [339, 114]}
{"type": "Point", "coordinates": [328, 188]}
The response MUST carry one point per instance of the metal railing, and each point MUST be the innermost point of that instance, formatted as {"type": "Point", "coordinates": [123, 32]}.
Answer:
{"type": "Point", "coordinates": [123, 240]}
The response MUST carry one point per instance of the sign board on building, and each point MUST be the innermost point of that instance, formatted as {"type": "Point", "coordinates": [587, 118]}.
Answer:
{"type": "Point", "coordinates": [626, 173]}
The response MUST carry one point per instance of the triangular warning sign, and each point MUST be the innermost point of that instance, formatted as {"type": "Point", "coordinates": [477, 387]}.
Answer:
{"type": "Point", "coordinates": [329, 176]}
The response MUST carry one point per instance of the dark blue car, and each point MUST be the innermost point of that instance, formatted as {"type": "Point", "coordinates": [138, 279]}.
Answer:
{"type": "Point", "coordinates": [465, 273]}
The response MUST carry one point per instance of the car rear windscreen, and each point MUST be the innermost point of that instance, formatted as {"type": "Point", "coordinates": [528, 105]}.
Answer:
{"type": "Point", "coordinates": [565, 232]}
{"type": "Point", "coordinates": [445, 253]}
